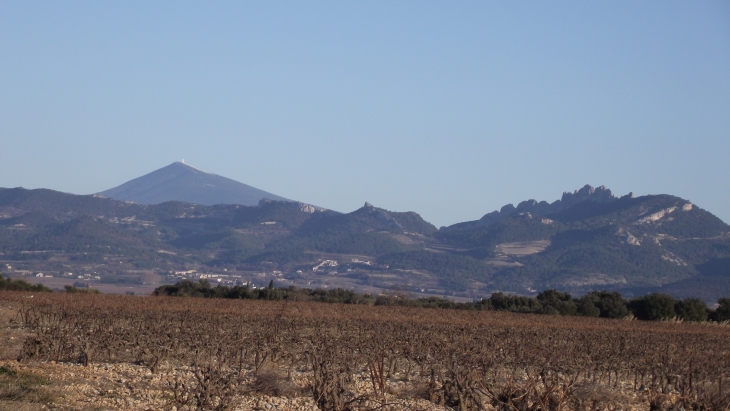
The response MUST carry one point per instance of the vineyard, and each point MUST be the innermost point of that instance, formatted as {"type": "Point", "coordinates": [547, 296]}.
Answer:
{"type": "Point", "coordinates": [350, 357]}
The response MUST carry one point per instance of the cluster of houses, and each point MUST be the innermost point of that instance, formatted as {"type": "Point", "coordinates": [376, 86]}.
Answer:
{"type": "Point", "coordinates": [71, 275]}
{"type": "Point", "coordinates": [224, 279]}
{"type": "Point", "coordinates": [324, 267]}
{"type": "Point", "coordinates": [325, 263]}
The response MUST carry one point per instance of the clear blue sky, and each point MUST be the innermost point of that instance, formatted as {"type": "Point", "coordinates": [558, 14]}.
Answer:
{"type": "Point", "coordinates": [450, 109]}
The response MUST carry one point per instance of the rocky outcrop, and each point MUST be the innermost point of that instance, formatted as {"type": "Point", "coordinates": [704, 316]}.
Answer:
{"type": "Point", "coordinates": [303, 207]}
{"type": "Point", "coordinates": [383, 217]}
{"type": "Point", "coordinates": [656, 216]}
{"type": "Point", "coordinates": [628, 237]}
{"type": "Point", "coordinates": [673, 259]}
{"type": "Point", "coordinates": [307, 208]}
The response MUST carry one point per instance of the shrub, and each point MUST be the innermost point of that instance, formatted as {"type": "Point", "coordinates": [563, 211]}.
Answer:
{"type": "Point", "coordinates": [74, 290]}
{"type": "Point", "coordinates": [722, 312]}
{"type": "Point", "coordinates": [653, 307]}
{"type": "Point", "coordinates": [271, 381]}
{"type": "Point", "coordinates": [556, 302]}
{"type": "Point", "coordinates": [586, 308]}
{"type": "Point", "coordinates": [514, 303]}
{"type": "Point", "coordinates": [610, 305]}
{"type": "Point", "coordinates": [691, 309]}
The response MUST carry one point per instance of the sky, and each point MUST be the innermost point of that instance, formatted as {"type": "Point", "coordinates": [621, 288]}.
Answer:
{"type": "Point", "coordinates": [449, 109]}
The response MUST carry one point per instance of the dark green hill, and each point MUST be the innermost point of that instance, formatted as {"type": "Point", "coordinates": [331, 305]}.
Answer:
{"type": "Point", "coordinates": [512, 229]}
{"type": "Point", "coordinates": [62, 206]}
{"type": "Point", "coordinates": [366, 219]}
{"type": "Point", "coordinates": [456, 272]}
{"type": "Point", "coordinates": [29, 220]}
{"type": "Point", "coordinates": [368, 231]}
{"type": "Point", "coordinates": [289, 214]}
{"type": "Point", "coordinates": [89, 234]}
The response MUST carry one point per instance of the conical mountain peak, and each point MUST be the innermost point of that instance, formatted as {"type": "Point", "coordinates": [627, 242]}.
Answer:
{"type": "Point", "coordinates": [185, 166]}
{"type": "Point", "coordinates": [180, 181]}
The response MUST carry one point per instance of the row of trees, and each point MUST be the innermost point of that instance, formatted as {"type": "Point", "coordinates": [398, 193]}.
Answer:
{"type": "Point", "coordinates": [8, 284]}
{"type": "Point", "coordinates": [650, 307]}
{"type": "Point", "coordinates": [203, 288]}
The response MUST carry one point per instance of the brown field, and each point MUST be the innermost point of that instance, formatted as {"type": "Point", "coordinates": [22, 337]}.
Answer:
{"type": "Point", "coordinates": [522, 248]}
{"type": "Point", "coordinates": [106, 288]}
{"type": "Point", "coordinates": [125, 352]}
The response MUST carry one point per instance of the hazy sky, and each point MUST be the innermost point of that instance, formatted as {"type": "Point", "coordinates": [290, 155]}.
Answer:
{"type": "Point", "coordinates": [451, 109]}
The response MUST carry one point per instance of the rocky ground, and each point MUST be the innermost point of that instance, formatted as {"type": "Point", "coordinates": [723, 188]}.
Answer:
{"type": "Point", "coordinates": [131, 387]}
{"type": "Point", "coordinates": [47, 385]}
{"type": "Point", "coordinates": [68, 386]}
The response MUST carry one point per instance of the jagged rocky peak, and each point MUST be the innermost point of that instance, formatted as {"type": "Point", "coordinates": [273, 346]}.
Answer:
{"type": "Point", "coordinates": [599, 194]}
{"type": "Point", "coordinates": [507, 209]}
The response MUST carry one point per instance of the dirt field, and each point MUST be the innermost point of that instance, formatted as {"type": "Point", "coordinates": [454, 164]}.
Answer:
{"type": "Point", "coordinates": [523, 248]}
{"type": "Point", "coordinates": [59, 283]}
{"type": "Point", "coordinates": [120, 352]}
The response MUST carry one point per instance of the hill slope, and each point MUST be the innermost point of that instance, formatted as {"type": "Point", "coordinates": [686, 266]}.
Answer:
{"type": "Point", "coordinates": [182, 182]}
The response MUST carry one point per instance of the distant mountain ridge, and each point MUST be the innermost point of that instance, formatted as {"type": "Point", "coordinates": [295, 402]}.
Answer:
{"type": "Point", "coordinates": [599, 194]}
{"type": "Point", "coordinates": [588, 240]}
{"type": "Point", "coordinates": [183, 182]}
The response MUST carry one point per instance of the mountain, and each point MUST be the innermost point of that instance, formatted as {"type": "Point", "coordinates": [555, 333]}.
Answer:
{"type": "Point", "coordinates": [591, 239]}
{"type": "Point", "coordinates": [183, 182]}
{"type": "Point", "coordinates": [588, 240]}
